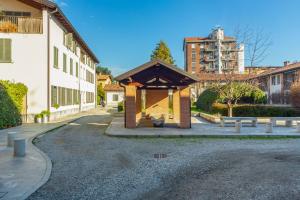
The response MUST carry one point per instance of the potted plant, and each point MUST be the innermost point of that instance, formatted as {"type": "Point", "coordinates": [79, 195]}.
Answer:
{"type": "Point", "coordinates": [46, 115]}
{"type": "Point", "coordinates": [38, 118]}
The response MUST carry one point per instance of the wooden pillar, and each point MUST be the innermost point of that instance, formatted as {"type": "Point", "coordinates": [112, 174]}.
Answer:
{"type": "Point", "coordinates": [185, 107]}
{"type": "Point", "coordinates": [138, 103]}
{"type": "Point", "coordinates": [130, 106]}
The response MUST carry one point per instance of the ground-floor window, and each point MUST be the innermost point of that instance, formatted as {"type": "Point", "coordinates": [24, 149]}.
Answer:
{"type": "Point", "coordinates": [115, 97]}
{"type": "Point", "coordinates": [90, 97]}
{"type": "Point", "coordinates": [64, 96]}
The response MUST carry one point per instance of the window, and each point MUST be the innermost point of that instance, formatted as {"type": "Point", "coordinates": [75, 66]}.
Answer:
{"type": "Point", "coordinates": [115, 97]}
{"type": "Point", "coordinates": [273, 79]}
{"type": "Point", "coordinates": [16, 14]}
{"type": "Point", "coordinates": [5, 50]}
{"type": "Point", "coordinates": [193, 55]}
{"type": "Point", "coordinates": [71, 66]}
{"type": "Point", "coordinates": [65, 63]}
{"type": "Point", "coordinates": [193, 46]}
{"type": "Point", "coordinates": [193, 66]}
{"type": "Point", "coordinates": [55, 56]}
{"type": "Point", "coordinates": [53, 95]}
{"type": "Point", "coordinates": [278, 79]}
{"type": "Point", "coordinates": [77, 69]}
{"type": "Point", "coordinates": [89, 97]}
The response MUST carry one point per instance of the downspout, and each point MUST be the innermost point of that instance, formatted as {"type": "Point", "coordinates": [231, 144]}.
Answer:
{"type": "Point", "coordinates": [48, 58]}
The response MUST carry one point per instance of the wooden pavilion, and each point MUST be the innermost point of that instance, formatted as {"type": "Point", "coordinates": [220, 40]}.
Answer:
{"type": "Point", "coordinates": [157, 93]}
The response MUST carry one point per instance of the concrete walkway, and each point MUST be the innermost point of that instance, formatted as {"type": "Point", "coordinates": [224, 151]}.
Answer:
{"type": "Point", "coordinates": [20, 177]}
{"type": "Point", "coordinates": [200, 128]}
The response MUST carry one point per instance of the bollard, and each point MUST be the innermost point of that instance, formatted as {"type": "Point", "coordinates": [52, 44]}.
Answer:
{"type": "Point", "coordinates": [238, 126]}
{"type": "Point", "coordinates": [19, 147]}
{"type": "Point", "coordinates": [10, 138]}
{"type": "Point", "coordinates": [298, 127]}
{"type": "Point", "coordinates": [269, 127]}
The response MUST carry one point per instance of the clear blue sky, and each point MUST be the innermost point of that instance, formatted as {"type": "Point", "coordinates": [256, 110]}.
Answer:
{"type": "Point", "coordinates": [123, 33]}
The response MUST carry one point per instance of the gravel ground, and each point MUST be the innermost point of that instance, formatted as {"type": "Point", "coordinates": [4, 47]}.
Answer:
{"type": "Point", "coordinates": [90, 165]}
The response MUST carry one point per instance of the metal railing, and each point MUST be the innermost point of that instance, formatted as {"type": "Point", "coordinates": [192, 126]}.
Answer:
{"type": "Point", "coordinates": [12, 24]}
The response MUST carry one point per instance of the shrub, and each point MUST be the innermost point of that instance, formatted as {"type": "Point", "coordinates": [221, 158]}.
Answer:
{"type": "Point", "coordinates": [120, 106]}
{"type": "Point", "coordinates": [295, 95]}
{"type": "Point", "coordinates": [11, 103]}
{"type": "Point", "coordinates": [255, 111]}
{"type": "Point", "coordinates": [206, 100]}
{"type": "Point", "coordinates": [45, 113]}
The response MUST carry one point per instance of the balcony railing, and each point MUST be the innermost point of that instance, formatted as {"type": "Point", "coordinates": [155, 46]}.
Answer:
{"type": "Point", "coordinates": [11, 24]}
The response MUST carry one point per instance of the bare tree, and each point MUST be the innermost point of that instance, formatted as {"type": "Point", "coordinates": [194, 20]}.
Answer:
{"type": "Point", "coordinates": [256, 41]}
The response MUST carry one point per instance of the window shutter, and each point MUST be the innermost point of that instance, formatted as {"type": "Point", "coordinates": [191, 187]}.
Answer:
{"type": "Point", "coordinates": [7, 50]}
{"type": "Point", "coordinates": [1, 50]}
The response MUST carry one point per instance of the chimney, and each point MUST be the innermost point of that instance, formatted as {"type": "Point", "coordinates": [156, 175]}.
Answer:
{"type": "Point", "coordinates": [286, 63]}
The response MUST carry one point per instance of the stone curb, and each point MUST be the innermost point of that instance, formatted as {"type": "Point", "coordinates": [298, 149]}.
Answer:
{"type": "Point", "coordinates": [48, 161]}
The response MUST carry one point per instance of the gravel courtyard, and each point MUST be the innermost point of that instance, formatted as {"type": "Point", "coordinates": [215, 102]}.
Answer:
{"type": "Point", "coordinates": [89, 165]}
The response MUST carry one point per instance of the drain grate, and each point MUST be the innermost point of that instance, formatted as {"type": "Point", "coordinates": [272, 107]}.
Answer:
{"type": "Point", "coordinates": [160, 155]}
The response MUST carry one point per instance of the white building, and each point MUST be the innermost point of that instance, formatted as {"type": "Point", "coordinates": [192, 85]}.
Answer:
{"type": "Point", "coordinates": [40, 48]}
{"type": "Point", "coordinates": [114, 94]}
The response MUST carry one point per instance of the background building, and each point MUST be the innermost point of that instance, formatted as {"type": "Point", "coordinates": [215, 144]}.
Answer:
{"type": "Point", "coordinates": [277, 82]}
{"type": "Point", "coordinates": [213, 54]}
{"type": "Point", "coordinates": [40, 48]}
{"type": "Point", "coordinates": [113, 94]}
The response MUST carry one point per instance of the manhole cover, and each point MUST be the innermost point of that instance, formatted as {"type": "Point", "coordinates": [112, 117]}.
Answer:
{"type": "Point", "coordinates": [160, 155]}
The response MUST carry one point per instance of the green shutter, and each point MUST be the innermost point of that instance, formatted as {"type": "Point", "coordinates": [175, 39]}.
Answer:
{"type": "Point", "coordinates": [71, 66]}
{"type": "Point", "coordinates": [77, 69]}
{"type": "Point", "coordinates": [55, 57]}
{"type": "Point", "coordinates": [5, 50]}
{"type": "Point", "coordinates": [65, 63]}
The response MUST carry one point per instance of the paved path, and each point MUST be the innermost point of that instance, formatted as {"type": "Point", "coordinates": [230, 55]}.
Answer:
{"type": "Point", "coordinates": [200, 128]}
{"type": "Point", "coordinates": [19, 177]}
{"type": "Point", "coordinates": [90, 165]}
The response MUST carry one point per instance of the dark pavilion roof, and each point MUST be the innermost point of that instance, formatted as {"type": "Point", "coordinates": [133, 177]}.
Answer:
{"type": "Point", "coordinates": [157, 74]}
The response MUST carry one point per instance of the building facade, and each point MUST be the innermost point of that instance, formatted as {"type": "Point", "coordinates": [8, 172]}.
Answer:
{"type": "Point", "coordinates": [277, 82]}
{"type": "Point", "coordinates": [103, 80]}
{"type": "Point", "coordinates": [40, 48]}
{"type": "Point", "coordinates": [259, 69]}
{"type": "Point", "coordinates": [114, 94]}
{"type": "Point", "coordinates": [216, 53]}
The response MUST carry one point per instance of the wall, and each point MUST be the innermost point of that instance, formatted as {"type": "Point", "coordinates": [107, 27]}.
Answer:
{"type": "Point", "coordinates": [157, 102]}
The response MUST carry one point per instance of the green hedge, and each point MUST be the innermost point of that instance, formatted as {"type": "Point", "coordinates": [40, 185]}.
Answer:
{"type": "Point", "coordinates": [11, 100]}
{"type": "Point", "coordinates": [206, 100]}
{"type": "Point", "coordinates": [120, 106]}
{"type": "Point", "coordinates": [255, 111]}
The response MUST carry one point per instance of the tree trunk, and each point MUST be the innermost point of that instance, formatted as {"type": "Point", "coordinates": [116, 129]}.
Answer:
{"type": "Point", "coordinates": [229, 108]}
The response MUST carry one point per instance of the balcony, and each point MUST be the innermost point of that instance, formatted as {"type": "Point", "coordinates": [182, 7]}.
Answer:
{"type": "Point", "coordinates": [11, 24]}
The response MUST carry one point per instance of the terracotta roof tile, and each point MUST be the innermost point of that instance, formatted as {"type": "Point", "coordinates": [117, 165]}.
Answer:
{"type": "Point", "coordinates": [113, 87]}
{"type": "Point", "coordinates": [281, 69]}
{"type": "Point", "coordinates": [221, 77]}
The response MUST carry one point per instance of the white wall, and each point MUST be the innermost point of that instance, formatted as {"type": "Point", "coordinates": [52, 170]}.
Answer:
{"type": "Point", "coordinates": [29, 66]}
{"type": "Point", "coordinates": [109, 98]}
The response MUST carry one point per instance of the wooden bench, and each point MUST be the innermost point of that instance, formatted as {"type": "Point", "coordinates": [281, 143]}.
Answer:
{"type": "Point", "coordinates": [253, 120]}
{"type": "Point", "coordinates": [288, 120]}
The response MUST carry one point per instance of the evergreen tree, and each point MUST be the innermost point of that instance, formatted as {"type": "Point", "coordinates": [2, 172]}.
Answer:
{"type": "Point", "coordinates": [163, 53]}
